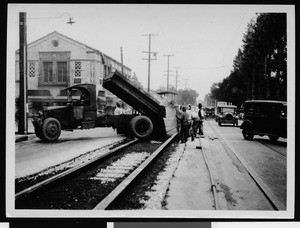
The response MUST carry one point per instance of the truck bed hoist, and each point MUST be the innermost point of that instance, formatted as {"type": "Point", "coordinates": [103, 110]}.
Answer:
{"type": "Point", "coordinates": [82, 113]}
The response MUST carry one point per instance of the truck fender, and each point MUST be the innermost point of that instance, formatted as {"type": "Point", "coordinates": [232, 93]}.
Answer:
{"type": "Point", "coordinates": [246, 123]}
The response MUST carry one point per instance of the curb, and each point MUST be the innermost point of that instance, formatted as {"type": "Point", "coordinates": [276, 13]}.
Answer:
{"type": "Point", "coordinates": [21, 138]}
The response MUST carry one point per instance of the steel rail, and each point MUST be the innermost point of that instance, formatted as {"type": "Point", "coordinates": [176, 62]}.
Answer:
{"type": "Point", "coordinates": [213, 186]}
{"type": "Point", "coordinates": [273, 199]}
{"type": "Point", "coordinates": [283, 155]}
{"type": "Point", "coordinates": [107, 201]}
{"type": "Point", "coordinates": [69, 171]}
{"type": "Point", "coordinates": [261, 142]}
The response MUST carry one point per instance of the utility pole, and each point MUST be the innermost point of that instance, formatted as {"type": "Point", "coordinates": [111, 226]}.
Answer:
{"type": "Point", "coordinates": [149, 57]}
{"type": "Point", "coordinates": [168, 70]}
{"type": "Point", "coordinates": [22, 121]}
{"type": "Point", "coordinates": [122, 61]}
{"type": "Point", "coordinates": [186, 82]}
{"type": "Point", "coordinates": [176, 76]}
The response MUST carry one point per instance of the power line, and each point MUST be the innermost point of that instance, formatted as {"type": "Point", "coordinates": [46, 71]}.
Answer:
{"type": "Point", "coordinates": [224, 55]}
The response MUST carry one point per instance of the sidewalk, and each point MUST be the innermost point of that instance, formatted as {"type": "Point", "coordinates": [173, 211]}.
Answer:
{"type": "Point", "coordinates": [24, 137]}
{"type": "Point", "coordinates": [188, 190]}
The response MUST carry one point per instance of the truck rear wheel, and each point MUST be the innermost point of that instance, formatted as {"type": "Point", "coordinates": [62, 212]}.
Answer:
{"type": "Point", "coordinates": [141, 127]}
{"type": "Point", "coordinates": [51, 129]}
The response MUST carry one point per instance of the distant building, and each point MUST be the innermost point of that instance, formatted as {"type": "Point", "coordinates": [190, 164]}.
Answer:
{"type": "Point", "coordinates": [56, 61]}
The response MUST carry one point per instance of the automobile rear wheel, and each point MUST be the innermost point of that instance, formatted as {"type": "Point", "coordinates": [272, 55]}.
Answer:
{"type": "Point", "coordinates": [273, 138]}
{"type": "Point", "coordinates": [51, 129]}
{"type": "Point", "coordinates": [141, 127]}
{"type": "Point", "coordinates": [248, 133]}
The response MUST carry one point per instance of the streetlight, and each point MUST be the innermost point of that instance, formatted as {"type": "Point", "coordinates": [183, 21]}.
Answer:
{"type": "Point", "coordinates": [71, 21]}
{"type": "Point", "coordinates": [23, 108]}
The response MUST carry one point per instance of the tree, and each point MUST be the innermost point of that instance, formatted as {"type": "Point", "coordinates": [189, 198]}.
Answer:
{"type": "Point", "coordinates": [260, 66]}
{"type": "Point", "coordinates": [187, 96]}
{"type": "Point", "coordinates": [135, 81]}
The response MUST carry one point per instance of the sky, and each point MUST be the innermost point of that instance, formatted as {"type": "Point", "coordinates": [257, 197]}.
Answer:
{"type": "Point", "coordinates": [202, 40]}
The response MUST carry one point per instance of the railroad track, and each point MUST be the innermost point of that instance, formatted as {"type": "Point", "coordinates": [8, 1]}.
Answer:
{"type": "Point", "coordinates": [263, 142]}
{"type": "Point", "coordinates": [62, 174]}
{"type": "Point", "coordinates": [272, 198]}
{"type": "Point", "coordinates": [97, 183]}
{"type": "Point", "coordinates": [272, 148]}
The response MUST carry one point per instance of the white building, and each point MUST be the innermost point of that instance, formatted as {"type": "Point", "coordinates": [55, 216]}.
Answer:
{"type": "Point", "coordinates": [56, 61]}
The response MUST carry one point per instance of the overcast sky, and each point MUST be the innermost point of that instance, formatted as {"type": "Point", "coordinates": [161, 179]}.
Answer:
{"type": "Point", "coordinates": [203, 39]}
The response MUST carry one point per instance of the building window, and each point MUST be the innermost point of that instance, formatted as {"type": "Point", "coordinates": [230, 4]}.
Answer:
{"type": "Point", "coordinates": [101, 93]}
{"type": "Point", "coordinates": [31, 69]}
{"type": "Point", "coordinates": [48, 71]}
{"type": "Point", "coordinates": [55, 43]}
{"type": "Point", "coordinates": [62, 71]}
{"type": "Point", "coordinates": [54, 68]}
{"type": "Point", "coordinates": [77, 69]}
{"type": "Point", "coordinates": [92, 72]}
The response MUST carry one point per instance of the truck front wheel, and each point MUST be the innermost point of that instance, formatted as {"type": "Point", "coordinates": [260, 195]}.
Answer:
{"type": "Point", "coordinates": [51, 129]}
{"type": "Point", "coordinates": [248, 133]}
{"type": "Point", "coordinates": [38, 132]}
{"type": "Point", "coordinates": [141, 127]}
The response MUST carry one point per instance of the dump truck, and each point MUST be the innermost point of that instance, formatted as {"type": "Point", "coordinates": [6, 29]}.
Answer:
{"type": "Point", "coordinates": [147, 121]}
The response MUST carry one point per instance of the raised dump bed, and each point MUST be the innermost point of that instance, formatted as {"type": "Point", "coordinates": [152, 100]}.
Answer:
{"type": "Point", "coordinates": [135, 97]}
{"type": "Point", "coordinates": [138, 99]}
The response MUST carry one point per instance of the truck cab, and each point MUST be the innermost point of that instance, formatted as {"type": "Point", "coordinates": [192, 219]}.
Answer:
{"type": "Point", "coordinates": [79, 112]}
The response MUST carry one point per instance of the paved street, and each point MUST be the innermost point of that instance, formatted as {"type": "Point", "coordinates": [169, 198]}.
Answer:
{"type": "Point", "coordinates": [190, 187]}
{"type": "Point", "coordinates": [34, 155]}
{"type": "Point", "coordinates": [267, 159]}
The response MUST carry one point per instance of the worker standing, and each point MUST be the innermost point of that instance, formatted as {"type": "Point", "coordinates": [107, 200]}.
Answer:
{"type": "Point", "coordinates": [196, 122]}
{"type": "Point", "coordinates": [190, 122]}
{"type": "Point", "coordinates": [184, 126]}
{"type": "Point", "coordinates": [118, 110]}
{"type": "Point", "coordinates": [201, 116]}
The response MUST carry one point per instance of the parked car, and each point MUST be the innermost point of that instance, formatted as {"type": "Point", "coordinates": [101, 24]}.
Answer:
{"type": "Point", "coordinates": [226, 114]}
{"type": "Point", "coordinates": [265, 117]}
{"type": "Point", "coordinates": [210, 111]}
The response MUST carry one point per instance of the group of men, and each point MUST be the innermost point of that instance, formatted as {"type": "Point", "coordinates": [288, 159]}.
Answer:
{"type": "Point", "coordinates": [120, 109]}
{"type": "Point", "coordinates": [189, 122]}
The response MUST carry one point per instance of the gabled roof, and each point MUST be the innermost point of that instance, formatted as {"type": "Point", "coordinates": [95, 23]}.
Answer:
{"type": "Point", "coordinates": [59, 34]}
{"type": "Point", "coordinates": [80, 43]}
